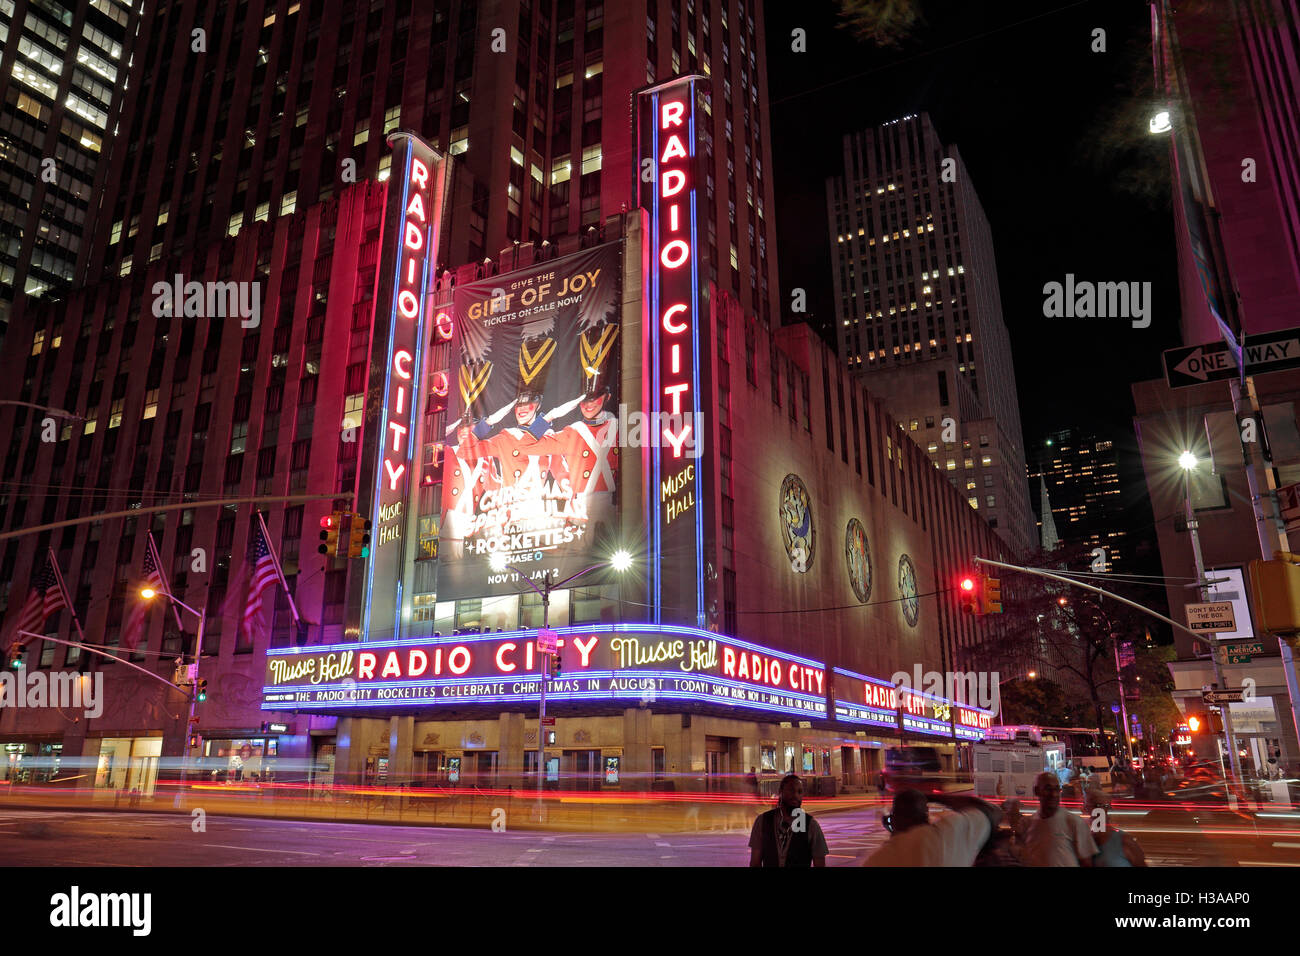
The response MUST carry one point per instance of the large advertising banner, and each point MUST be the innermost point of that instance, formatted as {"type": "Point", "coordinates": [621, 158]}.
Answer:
{"type": "Point", "coordinates": [605, 663]}
{"type": "Point", "coordinates": [530, 469]}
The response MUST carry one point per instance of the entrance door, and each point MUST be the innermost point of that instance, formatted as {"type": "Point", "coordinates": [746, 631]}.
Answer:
{"type": "Point", "coordinates": [485, 768]}
{"type": "Point", "coordinates": [582, 769]}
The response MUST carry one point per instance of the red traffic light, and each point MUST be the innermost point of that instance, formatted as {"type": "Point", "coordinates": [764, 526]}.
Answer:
{"type": "Point", "coordinates": [968, 584]}
{"type": "Point", "coordinates": [327, 522]}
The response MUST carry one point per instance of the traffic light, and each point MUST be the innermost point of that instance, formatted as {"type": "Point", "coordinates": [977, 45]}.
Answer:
{"type": "Point", "coordinates": [968, 591]}
{"type": "Point", "coordinates": [990, 595]}
{"type": "Point", "coordinates": [194, 741]}
{"type": "Point", "coordinates": [1275, 595]}
{"type": "Point", "coordinates": [15, 661]}
{"type": "Point", "coordinates": [329, 533]}
{"type": "Point", "coordinates": [201, 689]}
{"type": "Point", "coordinates": [359, 537]}
{"type": "Point", "coordinates": [557, 666]}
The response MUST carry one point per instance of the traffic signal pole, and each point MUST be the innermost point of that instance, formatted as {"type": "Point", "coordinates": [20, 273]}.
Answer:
{"type": "Point", "coordinates": [1218, 676]}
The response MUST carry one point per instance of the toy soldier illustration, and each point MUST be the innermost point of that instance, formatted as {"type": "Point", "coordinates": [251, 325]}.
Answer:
{"type": "Point", "coordinates": [514, 445]}
{"type": "Point", "coordinates": [588, 446]}
{"type": "Point", "coordinates": [464, 471]}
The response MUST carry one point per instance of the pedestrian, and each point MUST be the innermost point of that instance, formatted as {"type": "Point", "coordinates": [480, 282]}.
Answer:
{"type": "Point", "coordinates": [787, 835]}
{"type": "Point", "coordinates": [1014, 817]}
{"type": "Point", "coordinates": [954, 839]}
{"type": "Point", "coordinates": [1117, 848]}
{"type": "Point", "coordinates": [1056, 838]}
{"type": "Point", "coordinates": [751, 780]}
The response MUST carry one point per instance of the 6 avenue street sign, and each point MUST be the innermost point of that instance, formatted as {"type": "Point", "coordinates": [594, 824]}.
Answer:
{"type": "Point", "coordinates": [1211, 616]}
{"type": "Point", "coordinates": [1213, 362]}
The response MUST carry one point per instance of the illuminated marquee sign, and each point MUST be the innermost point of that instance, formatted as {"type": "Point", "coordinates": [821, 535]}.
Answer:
{"type": "Point", "coordinates": [412, 227]}
{"type": "Point", "coordinates": [865, 700]}
{"type": "Point", "coordinates": [608, 662]}
{"type": "Point", "coordinates": [678, 374]}
{"type": "Point", "coordinates": [971, 723]}
{"type": "Point", "coordinates": [860, 699]}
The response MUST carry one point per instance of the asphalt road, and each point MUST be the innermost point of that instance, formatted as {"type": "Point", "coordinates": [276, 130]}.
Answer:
{"type": "Point", "coordinates": [67, 838]}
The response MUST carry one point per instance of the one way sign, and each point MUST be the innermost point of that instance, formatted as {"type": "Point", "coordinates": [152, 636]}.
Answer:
{"type": "Point", "coordinates": [1214, 362]}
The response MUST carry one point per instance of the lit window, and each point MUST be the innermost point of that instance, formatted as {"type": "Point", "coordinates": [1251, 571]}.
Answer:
{"type": "Point", "coordinates": [516, 156]}
{"type": "Point", "coordinates": [392, 118]}
{"type": "Point", "coordinates": [385, 168]}
{"type": "Point", "coordinates": [362, 133]}
{"type": "Point", "coordinates": [236, 223]}
{"type": "Point", "coordinates": [986, 460]}
{"type": "Point", "coordinates": [952, 464]}
{"type": "Point", "coordinates": [974, 503]}
{"type": "Point", "coordinates": [38, 342]}
{"type": "Point", "coordinates": [591, 159]}
{"type": "Point", "coordinates": [289, 202]}
{"type": "Point", "coordinates": [561, 170]}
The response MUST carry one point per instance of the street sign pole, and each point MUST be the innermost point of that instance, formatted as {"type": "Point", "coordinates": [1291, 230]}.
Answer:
{"type": "Point", "coordinates": [1215, 649]}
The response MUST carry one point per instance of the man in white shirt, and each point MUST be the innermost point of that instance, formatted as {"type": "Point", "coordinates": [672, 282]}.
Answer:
{"type": "Point", "coordinates": [1055, 837]}
{"type": "Point", "coordinates": [954, 839]}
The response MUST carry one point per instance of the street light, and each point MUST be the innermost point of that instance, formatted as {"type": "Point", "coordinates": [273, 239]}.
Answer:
{"type": "Point", "coordinates": [620, 561]}
{"type": "Point", "coordinates": [149, 594]}
{"type": "Point", "coordinates": [1160, 122]}
{"type": "Point", "coordinates": [1187, 461]}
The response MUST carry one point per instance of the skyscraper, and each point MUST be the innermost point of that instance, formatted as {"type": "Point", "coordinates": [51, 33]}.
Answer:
{"type": "Point", "coordinates": [919, 311]}
{"type": "Point", "coordinates": [291, 103]}
{"type": "Point", "coordinates": [60, 86]}
{"type": "Point", "coordinates": [1077, 476]}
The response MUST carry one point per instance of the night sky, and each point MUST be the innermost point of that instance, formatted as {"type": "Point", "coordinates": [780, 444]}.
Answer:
{"type": "Point", "coordinates": [1054, 138]}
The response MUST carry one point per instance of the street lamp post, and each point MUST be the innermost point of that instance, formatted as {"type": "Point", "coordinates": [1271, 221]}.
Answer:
{"type": "Point", "coordinates": [620, 561]}
{"type": "Point", "coordinates": [1188, 462]}
{"type": "Point", "coordinates": [149, 594]}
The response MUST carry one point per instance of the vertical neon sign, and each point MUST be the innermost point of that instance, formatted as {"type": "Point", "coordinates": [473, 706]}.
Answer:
{"type": "Point", "coordinates": [675, 497]}
{"type": "Point", "coordinates": [412, 227]}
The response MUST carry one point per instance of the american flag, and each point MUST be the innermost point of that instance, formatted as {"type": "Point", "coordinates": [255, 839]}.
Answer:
{"type": "Point", "coordinates": [138, 621]}
{"type": "Point", "coordinates": [264, 576]}
{"type": "Point", "coordinates": [45, 598]}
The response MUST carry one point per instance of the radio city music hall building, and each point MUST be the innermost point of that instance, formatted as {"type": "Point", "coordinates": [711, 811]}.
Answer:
{"type": "Point", "coordinates": [792, 548]}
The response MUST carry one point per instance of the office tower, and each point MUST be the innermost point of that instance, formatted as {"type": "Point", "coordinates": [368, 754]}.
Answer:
{"type": "Point", "coordinates": [919, 311]}
{"type": "Point", "coordinates": [61, 77]}
{"type": "Point", "coordinates": [1077, 476]}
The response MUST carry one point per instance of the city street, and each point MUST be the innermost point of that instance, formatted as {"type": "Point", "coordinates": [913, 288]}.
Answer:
{"type": "Point", "coordinates": [1169, 837]}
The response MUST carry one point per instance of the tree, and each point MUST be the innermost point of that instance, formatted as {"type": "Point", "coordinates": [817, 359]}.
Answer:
{"type": "Point", "coordinates": [1068, 636]}
{"type": "Point", "coordinates": [883, 23]}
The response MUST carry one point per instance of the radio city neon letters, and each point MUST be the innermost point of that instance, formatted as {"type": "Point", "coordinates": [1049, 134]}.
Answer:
{"type": "Point", "coordinates": [674, 253]}
{"type": "Point", "coordinates": [411, 278]}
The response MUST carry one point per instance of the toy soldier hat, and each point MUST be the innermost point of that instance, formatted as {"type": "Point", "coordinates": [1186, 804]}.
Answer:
{"type": "Point", "coordinates": [474, 377]}
{"type": "Point", "coordinates": [535, 356]}
{"type": "Point", "coordinates": [599, 360]}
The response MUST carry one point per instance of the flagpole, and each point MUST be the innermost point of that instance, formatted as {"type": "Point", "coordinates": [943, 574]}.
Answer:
{"type": "Point", "coordinates": [166, 583]}
{"type": "Point", "coordinates": [67, 598]}
{"type": "Point", "coordinates": [275, 559]}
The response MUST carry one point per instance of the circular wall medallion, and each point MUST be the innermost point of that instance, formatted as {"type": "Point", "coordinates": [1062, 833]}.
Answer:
{"type": "Point", "coordinates": [911, 604]}
{"type": "Point", "coordinates": [797, 523]}
{"type": "Point", "coordinates": [857, 555]}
